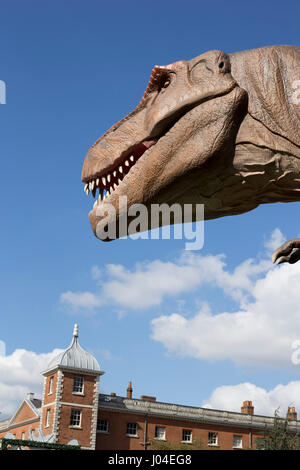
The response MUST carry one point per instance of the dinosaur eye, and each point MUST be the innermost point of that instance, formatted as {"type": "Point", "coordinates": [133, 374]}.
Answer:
{"type": "Point", "coordinates": [166, 83]}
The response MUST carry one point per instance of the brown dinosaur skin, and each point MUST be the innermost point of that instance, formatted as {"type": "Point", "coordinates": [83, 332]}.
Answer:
{"type": "Point", "coordinates": [219, 130]}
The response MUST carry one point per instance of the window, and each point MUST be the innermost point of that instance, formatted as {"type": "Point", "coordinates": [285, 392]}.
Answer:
{"type": "Point", "coordinates": [47, 418]}
{"type": "Point", "coordinates": [212, 438]}
{"type": "Point", "coordinates": [75, 418]}
{"type": "Point", "coordinates": [23, 436]}
{"type": "Point", "coordinates": [237, 442]}
{"type": "Point", "coordinates": [160, 432]}
{"type": "Point", "coordinates": [102, 425]}
{"type": "Point", "coordinates": [78, 385]}
{"type": "Point", "coordinates": [131, 429]}
{"type": "Point", "coordinates": [186, 435]}
{"type": "Point", "coordinates": [51, 381]}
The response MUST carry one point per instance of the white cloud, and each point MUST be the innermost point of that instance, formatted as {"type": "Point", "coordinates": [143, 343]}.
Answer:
{"type": "Point", "coordinates": [260, 332]}
{"type": "Point", "coordinates": [80, 300]}
{"type": "Point", "coordinates": [231, 397]}
{"type": "Point", "coordinates": [96, 272]}
{"type": "Point", "coordinates": [275, 241]}
{"type": "Point", "coordinates": [149, 283]}
{"type": "Point", "coordinates": [2, 348]}
{"type": "Point", "coordinates": [20, 373]}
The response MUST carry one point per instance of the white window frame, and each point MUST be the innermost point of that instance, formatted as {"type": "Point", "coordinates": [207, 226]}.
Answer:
{"type": "Point", "coordinates": [100, 423]}
{"type": "Point", "coordinates": [237, 436]}
{"type": "Point", "coordinates": [48, 414]}
{"type": "Point", "coordinates": [78, 385]}
{"type": "Point", "coordinates": [210, 440]}
{"type": "Point", "coordinates": [51, 382]}
{"type": "Point", "coordinates": [128, 430]}
{"type": "Point", "coordinates": [77, 412]}
{"type": "Point", "coordinates": [160, 433]}
{"type": "Point", "coordinates": [185, 433]}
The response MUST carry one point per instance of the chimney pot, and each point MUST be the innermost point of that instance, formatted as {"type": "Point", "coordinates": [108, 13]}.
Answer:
{"type": "Point", "coordinates": [129, 390]}
{"type": "Point", "coordinates": [291, 413]}
{"type": "Point", "coordinates": [247, 408]}
{"type": "Point", "coordinates": [147, 398]}
{"type": "Point", "coordinates": [30, 396]}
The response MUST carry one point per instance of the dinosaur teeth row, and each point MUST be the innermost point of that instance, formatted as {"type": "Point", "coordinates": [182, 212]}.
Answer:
{"type": "Point", "coordinates": [106, 184]}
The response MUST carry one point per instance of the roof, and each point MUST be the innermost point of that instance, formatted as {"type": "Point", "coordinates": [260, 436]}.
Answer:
{"type": "Point", "coordinates": [37, 403]}
{"type": "Point", "coordinates": [75, 357]}
{"type": "Point", "coordinates": [188, 413]}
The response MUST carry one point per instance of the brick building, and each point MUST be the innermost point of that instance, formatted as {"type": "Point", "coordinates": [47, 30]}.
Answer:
{"type": "Point", "coordinates": [73, 411]}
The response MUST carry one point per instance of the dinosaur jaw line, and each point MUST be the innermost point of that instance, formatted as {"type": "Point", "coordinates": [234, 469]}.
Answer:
{"type": "Point", "coordinates": [107, 182]}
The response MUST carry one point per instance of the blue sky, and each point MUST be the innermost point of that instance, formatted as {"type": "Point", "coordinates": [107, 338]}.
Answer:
{"type": "Point", "coordinates": [71, 70]}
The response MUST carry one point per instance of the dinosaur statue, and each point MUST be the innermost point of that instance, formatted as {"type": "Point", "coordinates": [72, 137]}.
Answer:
{"type": "Point", "coordinates": [220, 130]}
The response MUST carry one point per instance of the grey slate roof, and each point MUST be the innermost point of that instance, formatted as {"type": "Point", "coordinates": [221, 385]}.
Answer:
{"type": "Point", "coordinates": [189, 413]}
{"type": "Point", "coordinates": [37, 403]}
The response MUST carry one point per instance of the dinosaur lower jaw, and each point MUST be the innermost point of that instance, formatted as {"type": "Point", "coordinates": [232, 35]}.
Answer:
{"type": "Point", "coordinates": [107, 182]}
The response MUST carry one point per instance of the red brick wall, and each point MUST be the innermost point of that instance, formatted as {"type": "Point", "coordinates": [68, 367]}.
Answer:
{"type": "Point", "coordinates": [25, 414]}
{"type": "Point", "coordinates": [82, 434]}
{"type": "Point", "coordinates": [19, 429]}
{"type": "Point", "coordinates": [66, 433]}
{"type": "Point", "coordinates": [88, 393]}
{"type": "Point", "coordinates": [50, 398]}
{"type": "Point", "coordinates": [49, 429]}
{"type": "Point", "coordinates": [117, 439]}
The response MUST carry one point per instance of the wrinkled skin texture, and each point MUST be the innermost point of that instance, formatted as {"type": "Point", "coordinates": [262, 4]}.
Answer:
{"type": "Point", "coordinates": [219, 130]}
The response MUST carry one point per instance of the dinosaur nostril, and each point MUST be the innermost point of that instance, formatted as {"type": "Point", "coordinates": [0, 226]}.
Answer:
{"type": "Point", "coordinates": [221, 65]}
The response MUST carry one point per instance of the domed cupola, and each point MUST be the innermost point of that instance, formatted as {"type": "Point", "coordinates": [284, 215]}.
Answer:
{"type": "Point", "coordinates": [74, 357]}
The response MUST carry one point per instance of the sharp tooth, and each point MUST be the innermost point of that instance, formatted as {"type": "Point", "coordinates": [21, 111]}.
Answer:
{"type": "Point", "coordinates": [93, 184]}
{"type": "Point", "coordinates": [108, 178]}
{"type": "Point", "coordinates": [86, 187]}
{"type": "Point", "coordinates": [115, 186]}
{"type": "Point", "coordinates": [90, 186]}
{"type": "Point", "coordinates": [104, 181]}
{"type": "Point", "coordinates": [115, 173]}
{"type": "Point", "coordinates": [97, 182]}
{"type": "Point", "coordinates": [127, 163]}
{"type": "Point", "coordinates": [87, 191]}
{"type": "Point", "coordinates": [131, 158]}
{"type": "Point", "coordinates": [119, 181]}
{"type": "Point", "coordinates": [120, 169]}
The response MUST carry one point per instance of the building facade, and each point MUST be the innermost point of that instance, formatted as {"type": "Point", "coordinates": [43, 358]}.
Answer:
{"type": "Point", "coordinates": [72, 411]}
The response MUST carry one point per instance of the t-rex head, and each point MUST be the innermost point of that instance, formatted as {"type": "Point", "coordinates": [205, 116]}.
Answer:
{"type": "Point", "coordinates": [153, 155]}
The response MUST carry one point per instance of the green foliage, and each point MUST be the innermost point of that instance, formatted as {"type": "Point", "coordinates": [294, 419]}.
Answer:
{"type": "Point", "coordinates": [40, 445]}
{"type": "Point", "coordinates": [280, 437]}
{"type": "Point", "coordinates": [197, 444]}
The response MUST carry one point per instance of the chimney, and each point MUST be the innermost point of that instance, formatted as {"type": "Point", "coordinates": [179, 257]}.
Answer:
{"type": "Point", "coordinates": [113, 394]}
{"type": "Point", "coordinates": [247, 408]}
{"type": "Point", "coordinates": [291, 413]}
{"type": "Point", "coordinates": [30, 396]}
{"type": "Point", "coordinates": [129, 390]}
{"type": "Point", "coordinates": [147, 398]}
